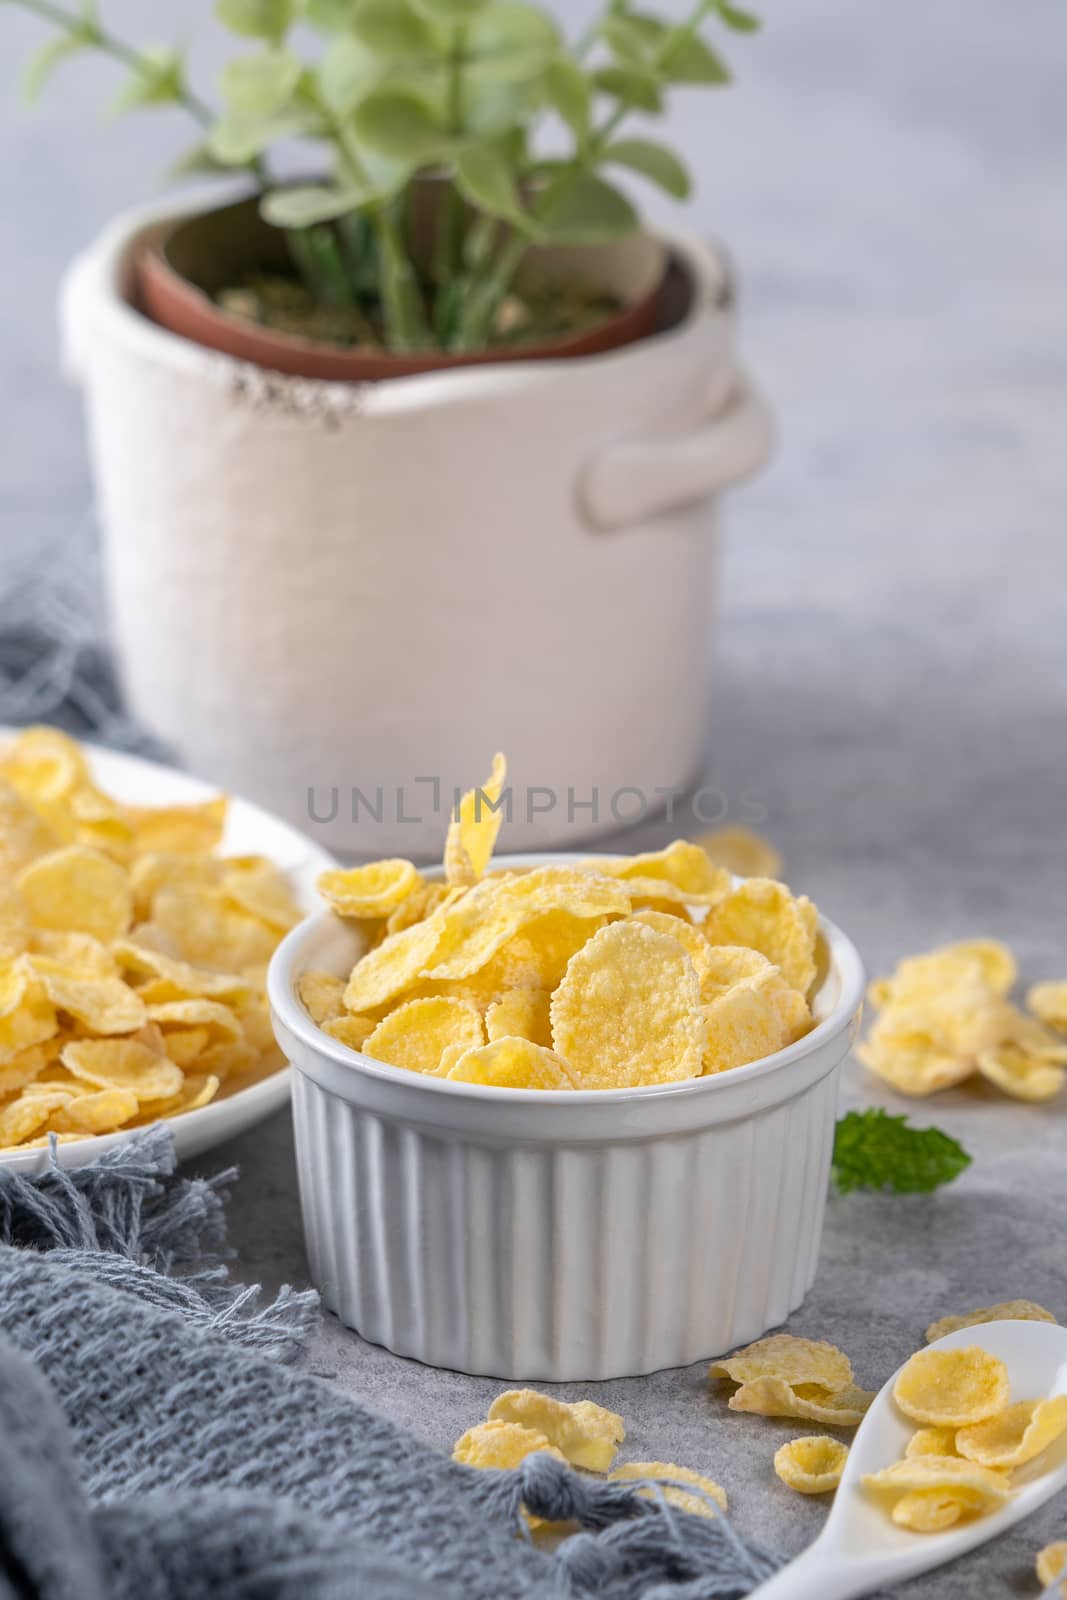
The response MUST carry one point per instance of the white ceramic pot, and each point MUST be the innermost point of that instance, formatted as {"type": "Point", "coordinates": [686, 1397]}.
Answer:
{"type": "Point", "coordinates": [560, 1235]}
{"type": "Point", "coordinates": [319, 588]}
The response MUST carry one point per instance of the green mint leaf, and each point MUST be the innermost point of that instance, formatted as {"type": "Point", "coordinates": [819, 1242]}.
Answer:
{"type": "Point", "coordinates": [873, 1150]}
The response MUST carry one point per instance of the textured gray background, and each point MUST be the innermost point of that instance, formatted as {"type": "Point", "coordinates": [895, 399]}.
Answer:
{"type": "Point", "coordinates": [893, 669]}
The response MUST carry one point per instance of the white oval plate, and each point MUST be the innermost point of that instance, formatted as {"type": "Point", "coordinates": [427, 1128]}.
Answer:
{"type": "Point", "coordinates": [249, 831]}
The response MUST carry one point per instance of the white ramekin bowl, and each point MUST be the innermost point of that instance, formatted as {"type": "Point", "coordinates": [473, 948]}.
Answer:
{"type": "Point", "coordinates": [551, 1234]}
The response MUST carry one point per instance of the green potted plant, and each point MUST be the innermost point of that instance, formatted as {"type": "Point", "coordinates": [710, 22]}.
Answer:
{"type": "Point", "coordinates": [465, 210]}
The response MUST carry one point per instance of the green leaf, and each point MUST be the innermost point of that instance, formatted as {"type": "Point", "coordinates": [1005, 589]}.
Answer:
{"type": "Point", "coordinates": [631, 85]}
{"type": "Point", "coordinates": [329, 16]}
{"type": "Point", "coordinates": [198, 161]}
{"type": "Point", "coordinates": [508, 28]}
{"type": "Point", "coordinates": [734, 17]}
{"type": "Point", "coordinates": [585, 210]}
{"type": "Point", "coordinates": [260, 85]}
{"type": "Point", "coordinates": [484, 178]}
{"type": "Point", "coordinates": [873, 1150]}
{"type": "Point", "coordinates": [653, 161]}
{"type": "Point", "coordinates": [451, 10]}
{"type": "Point", "coordinates": [569, 92]}
{"type": "Point", "coordinates": [626, 38]}
{"type": "Point", "coordinates": [687, 59]}
{"type": "Point", "coordinates": [347, 72]}
{"type": "Point", "coordinates": [308, 204]}
{"type": "Point", "coordinates": [235, 140]}
{"type": "Point", "coordinates": [41, 65]}
{"type": "Point", "coordinates": [159, 80]}
{"type": "Point", "coordinates": [401, 125]}
{"type": "Point", "coordinates": [257, 19]}
{"type": "Point", "coordinates": [394, 31]}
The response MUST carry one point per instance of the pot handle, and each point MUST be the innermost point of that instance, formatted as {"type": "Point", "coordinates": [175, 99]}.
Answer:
{"type": "Point", "coordinates": [634, 479]}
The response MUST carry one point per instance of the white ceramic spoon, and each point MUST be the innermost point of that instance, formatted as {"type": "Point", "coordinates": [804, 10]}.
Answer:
{"type": "Point", "coordinates": [860, 1549]}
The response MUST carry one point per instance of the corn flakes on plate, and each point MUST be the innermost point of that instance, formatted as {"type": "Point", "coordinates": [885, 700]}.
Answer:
{"type": "Point", "coordinates": [138, 911]}
{"type": "Point", "coordinates": [564, 974]}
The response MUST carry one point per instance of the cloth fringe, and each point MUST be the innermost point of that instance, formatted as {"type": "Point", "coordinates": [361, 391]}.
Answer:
{"type": "Point", "coordinates": [163, 1242]}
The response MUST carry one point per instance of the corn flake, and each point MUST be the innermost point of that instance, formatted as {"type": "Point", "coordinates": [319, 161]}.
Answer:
{"type": "Point", "coordinates": [510, 1063]}
{"type": "Point", "coordinates": [762, 914]}
{"type": "Point", "coordinates": [1051, 1563]}
{"type": "Point", "coordinates": [587, 1434]}
{"type": "Point", "coordinates": [742, 852]}
{"type": "Point", "coordinates": [1016, 1435]}
{"type": "Point", "coordinates": [932, 1442]}
{"type": "Point", "coordinates": [628, 1010]}
{"type": "Point", "coordinates": [975, 1489]}
{"type": "Point", "coordinates": [951, 1388]}
{"type": "Point", "coordinates": [795, 1361]}
{"type": "Point", "coordinates": [743, 1024]}
{"type": "Point", "coordinates": [123, 1064]}
{"type": "Point", "coordinates": [1003, 1311]}
{"type": "Point", "coordinates": [78, 890]}
{"type": "Point", "coordinates": [1048, 1001]}
{"type": "Point", "coordinates": [414, 1035]}
{"type": "Point", "coordinates": [501, 1445]}
{"type": "Point", "coordinates": [811, 1465]}
{"type": "Point", "coordinates": [663, 1479]}
{"type": "Point", "coordinates": [808, 1402]}
{"type": "Point", "coordinates": [472, 832]}
{"type": "Point", "coordinates": [520, 1013]}
{"type": "Point", "coordinates": [374, 890]}
{"type": "Point", "coordinates": [1024, 1077]}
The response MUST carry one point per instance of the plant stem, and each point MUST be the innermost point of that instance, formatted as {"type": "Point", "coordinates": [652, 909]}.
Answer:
{"type": "Point", "coordinates": [109, 45]}
{"type": "Point", "coordinates": [402, 307]}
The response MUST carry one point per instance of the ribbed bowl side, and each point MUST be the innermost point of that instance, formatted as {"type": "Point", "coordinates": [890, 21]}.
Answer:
{"type": "Point", "coordinates": [563, 1262]}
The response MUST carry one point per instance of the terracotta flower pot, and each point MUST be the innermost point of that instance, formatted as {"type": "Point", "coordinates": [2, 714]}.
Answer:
{"type": "Point", "coordinates": [183, 264]}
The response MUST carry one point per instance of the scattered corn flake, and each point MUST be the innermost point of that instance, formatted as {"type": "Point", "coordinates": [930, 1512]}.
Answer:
{"type": "Point", "coordinates": [197, 1090]}
{"type": "Point", "coordinates": [374, 890]}
{"type": "Point", "coordinates": [511, 1063]}
{"type": "Point", "coordinates": [14, 919]}
{"type": "Point", "coordinates": [123, 1064]}
{"type": "Point", "coordinates": [22, 1069]}
{"type": "Point", "coordinates": [184, 1046]}
{"type": "Point", "coordinates": [501, 1445]}
{"type": "Point", "coordinates": [1016, 1435]}
{"type": "Point", "coordinates": [472, 832]}
{"type": "Point", "coordinates": [322, 996]}
{"type": "Point", "coordinates": [808, 1402]}
{"type": "Point", "coordinates": [421, 900]}
{"type": "Point", "coordinates": [728, 964]}
{"type": "Point", "coordinates": [1003, 1311]}
{"type": "Point", "coordinates": [44, 764]}
{"type": "Point", "coordinates": [793, 1360]}
{"type": "Point", "coordinates": [1022, 1076]}
{"type": "Point", "coordinates": [951, 1388]}
{"type": "Point", "coordinates": [812, 1464]}
{"type": "Point", "coordinates": [587, 1437]}
{"type": "Point", "coordinates": [414, 1035]}
{"type": "Point", "coordinates": [1051, 1563]}
{"type": "Point", "coordinates": [1048, 1001]}
{"type": "Point", "coordinates": [211, 1014]}
{"type": "Point", "coordinates": [78, 890]}
{"type": "Point", "coordinates": [352, 1029]}
{"type": "Point", "coordinates": [628, 1011]}
{"type": "Point", "coordinates": [520, 1013]}
{"type": "Point", "coordinates": [742, 852]}
{"type": "Point", "coordinates": [932, 1442]}
{"type": "Point", "coordinates": [764, 915]}
{"type": "Point", "coordinates": [688, 935]}
{"type": "Point", "coordinates": [664, 1479]}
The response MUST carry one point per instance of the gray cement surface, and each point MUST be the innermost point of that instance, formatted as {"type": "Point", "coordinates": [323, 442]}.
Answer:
{"type": "Point", "coordinates": [892, 671]}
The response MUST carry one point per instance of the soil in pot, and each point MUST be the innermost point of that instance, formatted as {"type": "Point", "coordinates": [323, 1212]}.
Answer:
{"type": "Point", "coordinates": [226, 279]}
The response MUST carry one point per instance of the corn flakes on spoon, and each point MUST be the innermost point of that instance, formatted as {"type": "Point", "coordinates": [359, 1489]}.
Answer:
{"type": "Point", "coordinates": [861, 1549]}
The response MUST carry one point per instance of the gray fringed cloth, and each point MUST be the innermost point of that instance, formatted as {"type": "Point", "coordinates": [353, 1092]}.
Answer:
{"type": "Point", "coordinates": [156, 1442]}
